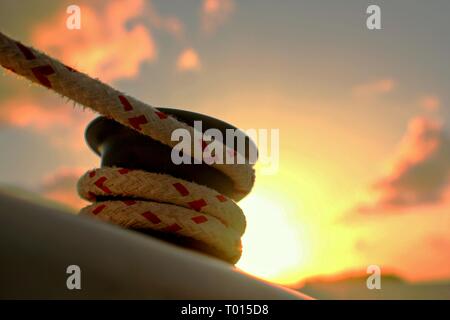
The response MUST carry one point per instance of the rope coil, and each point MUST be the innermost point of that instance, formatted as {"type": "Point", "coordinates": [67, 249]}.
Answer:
{"type": "Point", "coordinates": [147, 200]}
{"type": "Point", "coordinates": [164, 203]}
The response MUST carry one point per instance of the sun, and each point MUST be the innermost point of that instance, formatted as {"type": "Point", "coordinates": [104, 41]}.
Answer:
{"type": "Point", "coordinates": [272, 245]}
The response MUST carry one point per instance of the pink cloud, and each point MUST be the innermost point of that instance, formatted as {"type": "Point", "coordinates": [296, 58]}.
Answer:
{"type": "Point", "coordinates": [61, 186]}
{"type": "Point", "coordinates": [430, 103]}
{"type": "Point", "coordinates": [188, 60]}
{"type": "Point", "coordinates": [440, 243]}
{"type": "Point", "coordinates": [170, 24]}
{"type": "Point", "coordinates": [374, 88]}
{"type": "Point", "coordinates": [105, 46]}
{"type": "Point", "coordinates": [62, 122]}
{"type": "Point", "coordinates": [24, 112]}
{"type": "Point", "coordinates": [420, 173]}
{"type": "Point", "coordinates": [173, 26]}
{"type": "Point", "coordinates": [215, 13]}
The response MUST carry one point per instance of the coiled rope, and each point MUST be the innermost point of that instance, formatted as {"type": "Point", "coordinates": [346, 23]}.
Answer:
{"type": "Point", "coordinates": [152, 201]}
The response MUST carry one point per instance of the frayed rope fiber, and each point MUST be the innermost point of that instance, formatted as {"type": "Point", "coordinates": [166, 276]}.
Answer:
{"type": "Point", "coordinates": [152, 201]}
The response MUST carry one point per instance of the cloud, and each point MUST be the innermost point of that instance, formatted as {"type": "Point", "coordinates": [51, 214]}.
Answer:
{"type": "Point", "coordinates": [61, 186]}
{"type": "Point", "coordinates": [188, 60]}
{"type": "Point", "coordinates": [375, 88]}
{"type": "Point", "coordinates": [23, 112]}
{"type": "Point", "coordinates": [61, 121]}
{"type": "Point", "coordinates": [430, 103]}
{"type": "Point", "coordinates": [215, 13]}
{"type": "Point", "coordinates": [113, 41]}
{"type": "Point", "coordinates": [420, 173]}
{"type": "Point", "coordinates": [439, 243]}
{"type": "Point", "coordinates": [170, 24]}
{"type": "Point", "coordinates": [108, 45]}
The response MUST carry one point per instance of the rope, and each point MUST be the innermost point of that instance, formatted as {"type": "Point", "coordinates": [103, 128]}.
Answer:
{"type": "Point", "coordinates": [158, 202]}
{"type": "Point", "coordinates": [164, 203]}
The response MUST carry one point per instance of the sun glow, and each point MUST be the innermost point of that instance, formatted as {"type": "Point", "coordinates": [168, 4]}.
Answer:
{"type": "Point", "coordinates": [273, 249]}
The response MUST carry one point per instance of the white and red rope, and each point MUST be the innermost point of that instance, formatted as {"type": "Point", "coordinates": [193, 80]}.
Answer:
{"type": "Point", "coordinates": [158, 202]}
{"type": "Point", "coordinates": [164, 203]}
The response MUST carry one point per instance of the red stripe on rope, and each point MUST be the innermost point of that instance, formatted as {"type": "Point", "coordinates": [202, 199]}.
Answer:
{"type": "Point", "coordinates": [99, 183]}
{"type": "Point", "coordinates": [91, 196]}
{"type": "Point", "coordinates": [150, 216]}
{"type": "Point", "coordinates": [221, 198]}
{"type": "Point", "coordinates": [29, 55]}
{"type": "Point", "coordinates": [129, 202]}
{"type": "Point", "coordinates": [136, 122]}
{"type": "Point", "coordinates": [125, 103]}
{"type": "Point", "coordinates": [124, 171]}
{"type": "Point", "coordinates": [181, 189]}
{"type": "Point", "coordinates": [41, 73]}
{"type": "Point", "coordinates": [161, 115]}
{"type": "Point", "coordinates": [172, 228]}
{"type": "Point", "coordinates": [197, 205]}
{"type": "Point", "coordinates": [99, 209]}
{"type": "Point", "coordinates": [199, 219]}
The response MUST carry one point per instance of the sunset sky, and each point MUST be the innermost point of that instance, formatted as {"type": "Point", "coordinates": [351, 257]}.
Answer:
{"type": "Point", "coordinates": [364, 174]}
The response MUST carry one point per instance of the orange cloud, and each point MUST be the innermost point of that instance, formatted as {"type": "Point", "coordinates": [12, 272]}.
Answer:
{"type": "Point", "coordinates": [215, 13]}
{"type": "Point", "coordinates": [440, 243]}
{"type": "Point", "coordinates": [61, 186]}
{"type": "Point", "coordinates": [62, 122]}
{"type": "Point", "coordinates": [23, 112]}
{"type": "Point", "coordinates": [430, 103]}
{"type": "Point", "coordinates": [420, 174]}
{"type": "Point", "coordinates": [374, 88]}
{"type": "Point", "coordinates": [173, 26]}
{"type": "Point", "coordinates": [106, 46]}
{"type": "Point", "coordinates": [188, 60]}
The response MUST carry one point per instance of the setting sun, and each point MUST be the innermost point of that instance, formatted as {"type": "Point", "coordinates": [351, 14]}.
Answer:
{"type": "Point", "coordinates": [274, 247]}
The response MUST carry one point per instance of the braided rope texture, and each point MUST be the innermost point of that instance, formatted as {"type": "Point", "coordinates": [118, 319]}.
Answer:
{"type": "Point", "coordinates": [164, 203]}
{"type": "Point", "coordinates": [152, 201]}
